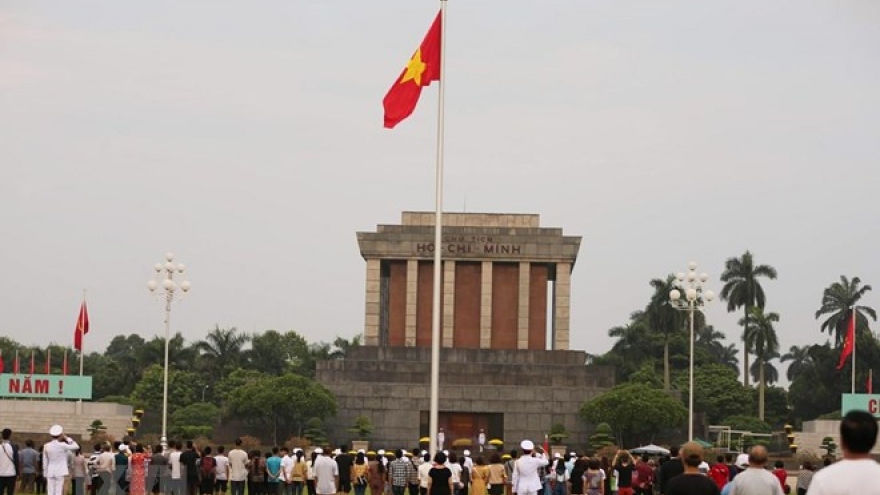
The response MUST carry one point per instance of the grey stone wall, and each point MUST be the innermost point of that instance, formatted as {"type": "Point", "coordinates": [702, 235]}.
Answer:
{"type": "Point", "coordinates": [532, 388]}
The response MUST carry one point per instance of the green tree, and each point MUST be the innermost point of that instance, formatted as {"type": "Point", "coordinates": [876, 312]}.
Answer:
{"type": "Point", "coordinates": [636, 412]}
{"type": "Point", "coordinates": [341, 346]}
{"type": "Point", "coordinates": [838, 301]}
{"type": "Point", "coordinates": [193, 420]}
{"type": "Point", "coordinates": [761, 337]}
{"type": "Point", "coordinates": [314, 431]}
{"type": "Point", "coordinates": [747, 423]}
{"type": "Point", "coordinates": [603, 437]}
{"type": "Point", "coordinates": [816, 389]}
{"type": "Point", "coordinates": [718, 393]}
{"type": "Point", "coordinates": [709, 341]}
{"type": "Point", "coordinates": [800, 361]}
{"type": "Point", "coordinates": [743, 290]}
{"type": "Point", "coordinates": [222, 349]}
{"type": "Point", "coordinates": [646, 375]}
{"type": "Point", "coordinates": [184, 388]}
{"type": "Point", "coordinates": [282, 403]}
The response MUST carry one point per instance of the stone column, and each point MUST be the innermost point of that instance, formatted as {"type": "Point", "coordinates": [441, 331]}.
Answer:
{"type": "Point", "coordinates": [486, 305]}
{"type": "Point", "coordinates": [448, 320]}
{"type": "Point", "coordinates": [412, 287]}
{"type": "Point", "coordinates": [561, 305]}
{"type": "Point", "coordinates": [371, 296]}
{"type": "Point", "coordinates": [522, 327]}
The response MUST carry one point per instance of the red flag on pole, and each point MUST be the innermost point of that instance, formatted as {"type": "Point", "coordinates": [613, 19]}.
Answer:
{"type": "Point", "coordinates": [49, 361]}
{"type": "Point", "coordinates": [870, 386]}
{"type": "Point", "coordinates": [82, 327]}
{"type": "Point", "coordinates": [15, 364]}
{"type": "Point", "coordinates": [848, 342]}
{"type": "Point", "coordinates": [32, 362]}
{"type": "Point", "coordinates": [421, 70]}
{"type": "Point", "coordinates": [1, 362]}
{"type": "Point", "coordinates": [64, 366]}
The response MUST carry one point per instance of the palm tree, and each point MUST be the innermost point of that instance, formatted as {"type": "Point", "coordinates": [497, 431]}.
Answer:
{"type": "Point", "coordinates": [663, 318]}
{"type": "Point", "coordinates": [761, 336]}
{"type": "Point", "coordinates": [800, 358]}
{"type": "Point", "coordinates": [743, 290]}
{"type": "Point", "coordinates": [223, 347]}
{"type": "Point", "coordinates": [771, 373]}
{"type": "Point", "coordinates": [727, 356]}
{"type": "Point", "coordinates": [838, 301]}
{"type": "Point", "coordinates": [633, 339]}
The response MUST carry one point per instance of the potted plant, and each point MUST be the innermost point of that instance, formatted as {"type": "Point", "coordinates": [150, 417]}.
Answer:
{"type": "Point", "coordinates": [556, 436]}
{"type": "Point", "coordinates": [362, 428]}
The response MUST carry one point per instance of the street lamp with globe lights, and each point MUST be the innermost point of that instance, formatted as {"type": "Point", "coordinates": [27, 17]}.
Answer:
{"type": "Point", "coordinates": [696, 296]}
{"type": "Point", "coordinates": [165, 273]}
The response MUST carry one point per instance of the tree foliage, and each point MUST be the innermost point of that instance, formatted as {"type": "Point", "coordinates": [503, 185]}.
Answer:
{"type": "Point", "coordinates": [635, 411]}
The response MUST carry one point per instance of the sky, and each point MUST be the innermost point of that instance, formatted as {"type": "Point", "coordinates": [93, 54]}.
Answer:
{"type": "Point", "coordinates": [247, 138]}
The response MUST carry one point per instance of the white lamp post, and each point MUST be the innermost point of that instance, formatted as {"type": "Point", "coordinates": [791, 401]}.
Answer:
{"type": "Point", "coordinates": [165, 273]}
{"type": "Point", "coordinates": [696, 296]}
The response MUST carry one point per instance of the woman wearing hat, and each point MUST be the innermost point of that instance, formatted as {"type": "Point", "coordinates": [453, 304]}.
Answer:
{"type": "Point", "coordinates": [55, 460]}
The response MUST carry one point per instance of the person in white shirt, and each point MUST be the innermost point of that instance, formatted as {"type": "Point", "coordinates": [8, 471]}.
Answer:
{"type": "Point", "coordinates": [177, 481]}
{"type": "Point", "coordinates": [8, 464]}
{"type": "Point", "coordinates": [221, 471]}
{"type": "Point", "coordinates": [857, 473]}
{"type": "Point", "coordinates": [326, 474]}
{"type": "Point", "coordinates": [525, 479]}
{"type": "Point", "coordinates": [424, 478]}
{"type": "Point", "coordinates": [55, 460]}
{"type": "Point", "coordinates": [238, 468]}
{"type": "Point", "coordinates": [286, 472]}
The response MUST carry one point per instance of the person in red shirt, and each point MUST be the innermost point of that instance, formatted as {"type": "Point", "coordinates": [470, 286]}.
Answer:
{"type": "Point", "coordinates": [645, 483]}
{"type": "Point", "coordinates": [720, 473]}
{"type": "Point", "coordinates": [780, 473]}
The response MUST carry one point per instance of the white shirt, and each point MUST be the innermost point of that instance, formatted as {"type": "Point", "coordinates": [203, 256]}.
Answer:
{"type": "Point", "coordinates": [525, 477]}
{"type": "Point", "coordinates": [174, 460]}
{"type": "Point", "coordinates": [849, 476]}
{"type": "Point", "coordinates": [238, 460]}
{"type": "Point", "coordinates": [326, 472]}
{"type": "Point", "coordinates": [456, 472]}
{"type": "Point", "coordinates": [286, 468]}
{"type": "Point", "coordinates": [7, 466]}
{"type": "Point", "coordinates": [105, 463]}
{"type": "Point", "coordinates": [221, 468]}
{"type": "Point", "coordinates": [424, 469]}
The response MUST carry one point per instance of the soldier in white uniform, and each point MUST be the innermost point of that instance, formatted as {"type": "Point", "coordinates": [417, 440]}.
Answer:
{"type": "Point", "coordinates": [526, 480]}
{"type": "Point", "coordinates": [55, 460]}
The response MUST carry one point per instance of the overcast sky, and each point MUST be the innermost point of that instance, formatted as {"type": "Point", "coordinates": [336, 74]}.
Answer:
{"type": "Point", "coordinates": [247, 138]}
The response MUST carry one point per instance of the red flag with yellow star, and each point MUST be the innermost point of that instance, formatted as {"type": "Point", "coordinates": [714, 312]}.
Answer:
{"type": "Point", "coordinates": [422, 68]}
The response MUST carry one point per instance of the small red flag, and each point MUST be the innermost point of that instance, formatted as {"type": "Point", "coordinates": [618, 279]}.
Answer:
{"type": "Point", "coordinates": [32, 362]}
{"type": "Point", "coordinates": [49, 361]}
{"type": "Point", "coordinates": [15, 365]}
{"type": "Point", "coordinates": [1, 362]}
{"type": "Point", "coordinates": [82, 327]}
{"type": "Point", "coordinates": [421, 70]}
{"type": "Point", "coordinates": [870, 386]}
{"type": "Point", "coordinates": [849, 342]}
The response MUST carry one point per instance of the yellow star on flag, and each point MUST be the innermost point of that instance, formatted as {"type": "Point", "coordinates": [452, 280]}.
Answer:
{"type": "Point", "coordinates": [414, 69]}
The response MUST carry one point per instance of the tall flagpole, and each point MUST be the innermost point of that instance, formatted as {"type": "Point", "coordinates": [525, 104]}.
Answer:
{"type": "Point", "coordinates": [433, 415]}
{"type": "Point", "coordinates": [854, 324]}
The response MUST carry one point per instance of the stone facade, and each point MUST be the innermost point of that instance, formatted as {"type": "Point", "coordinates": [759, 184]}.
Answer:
{"type": "Point", "coordinates": [532, 389]}
{"type": "Point", "coordinates": [505, 279]}
{"type": "Point", "coordinates": [496, 271]}
{"type": "Point", "coordinates": [37, 416]}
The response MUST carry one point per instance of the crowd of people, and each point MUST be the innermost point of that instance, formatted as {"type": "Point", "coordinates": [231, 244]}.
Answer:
{"type": "Point", "coordinates": [60, 467]}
